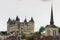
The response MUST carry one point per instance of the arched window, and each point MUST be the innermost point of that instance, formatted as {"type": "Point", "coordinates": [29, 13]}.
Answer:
{"type": "Point", "coordinates": [48, 32]}
{"type": "Point", "coordinates": [54, 32]}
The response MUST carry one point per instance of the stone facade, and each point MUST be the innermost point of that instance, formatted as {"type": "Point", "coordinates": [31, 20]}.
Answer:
{"type": "Point", "coordinates": [50, 31]}
{"type": "Point", "coordinates": [20, 27]}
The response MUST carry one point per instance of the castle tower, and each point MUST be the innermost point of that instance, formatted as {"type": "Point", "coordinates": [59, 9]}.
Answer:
{"type": "Point", "coordinates": [17, 25]}
{"type": "Point", "coordinates": [51, 30]}
{"type": "Point", "coordinates": [25, 21]}
{"type": "Point", "coordinates": [32, 20]}
{"type": "Point", "coordinates": [13, 25]}
{"type": "Point", "coordinates": [17, 20]}
{"type": "Point", "coordinates": [9, 22]}
{"type": "Point", "coordinates": [31, 26]}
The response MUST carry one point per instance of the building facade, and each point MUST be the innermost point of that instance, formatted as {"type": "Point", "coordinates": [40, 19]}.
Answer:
{"type": "Point", "coordinates": [15, 26]}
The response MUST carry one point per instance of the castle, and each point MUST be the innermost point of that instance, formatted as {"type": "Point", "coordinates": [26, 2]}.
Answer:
{"type": "Point", "coordinates": [15, 26]}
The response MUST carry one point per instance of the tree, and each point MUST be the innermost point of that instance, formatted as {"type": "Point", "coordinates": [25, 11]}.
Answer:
{"type": "Point", "coordinates": [59, 29]}
{"type": "Point", "coordinates": [23, 36]}
{"type": "Point", "coordinates": [30, 38]}
{"type": "Point", "coordinates": [41, 29]}
{"type": "Point", "coordinates": [36, 34]}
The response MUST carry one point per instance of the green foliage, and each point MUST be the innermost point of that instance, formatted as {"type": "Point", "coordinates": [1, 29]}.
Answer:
{"type": "Point", "coordinates": [30, 38]}
{"type": "Point", "coordinates": [41, 29]}
{"type": "Point", "coordinates": [37, 34]}
{"type": "Point", "coordinates": [23, 36]}
{"type": "Point", "coordinates": [59, 29]}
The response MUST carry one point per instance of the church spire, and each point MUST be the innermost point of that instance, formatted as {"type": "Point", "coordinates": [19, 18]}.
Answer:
{"type": "Point", "coordinates": [51, 20]}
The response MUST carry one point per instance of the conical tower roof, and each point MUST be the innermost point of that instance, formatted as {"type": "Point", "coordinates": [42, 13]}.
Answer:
{"type": "Point", "coordinates": [17, 18]}
{"type": "Point", "coordinates": [31, 19]}
{"type": "Point", "coordinates": [25, 21]}
{"type": "Point", "coordinates": [9, 20]}
{"type": "Point", "coordinates": [13, 21]}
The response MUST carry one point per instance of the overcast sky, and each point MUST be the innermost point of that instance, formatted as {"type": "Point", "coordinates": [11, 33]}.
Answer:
{"type": "Point", "coordinates": [38, 9]}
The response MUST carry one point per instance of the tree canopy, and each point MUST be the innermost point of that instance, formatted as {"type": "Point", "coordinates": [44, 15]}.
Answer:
{"type": "Point", "coordinates": [41, 29]}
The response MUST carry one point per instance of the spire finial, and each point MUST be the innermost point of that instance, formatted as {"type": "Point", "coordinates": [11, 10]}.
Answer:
{"type": "Point", "coordinates": [52, 21]}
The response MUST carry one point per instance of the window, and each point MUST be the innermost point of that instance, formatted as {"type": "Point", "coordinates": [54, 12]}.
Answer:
{"type": "Point", "coordinates": [54, 32]}
{"type": "Point", "coordinates": [48, 32]}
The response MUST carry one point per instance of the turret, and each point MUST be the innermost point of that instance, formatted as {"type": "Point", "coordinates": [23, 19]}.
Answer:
{"type": "Point", "coordinates": [31, 26]}
{"type": "Point", "coordinates": [9, 21]}
{"type": "Point", "coordinates": [31, 20]}
{"type": "Point", "coordinates": [13, 21]}
{"type": "Point", "coordinates": [25, 21]}
{"type": "Point", "coordinates": [17, 18]}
